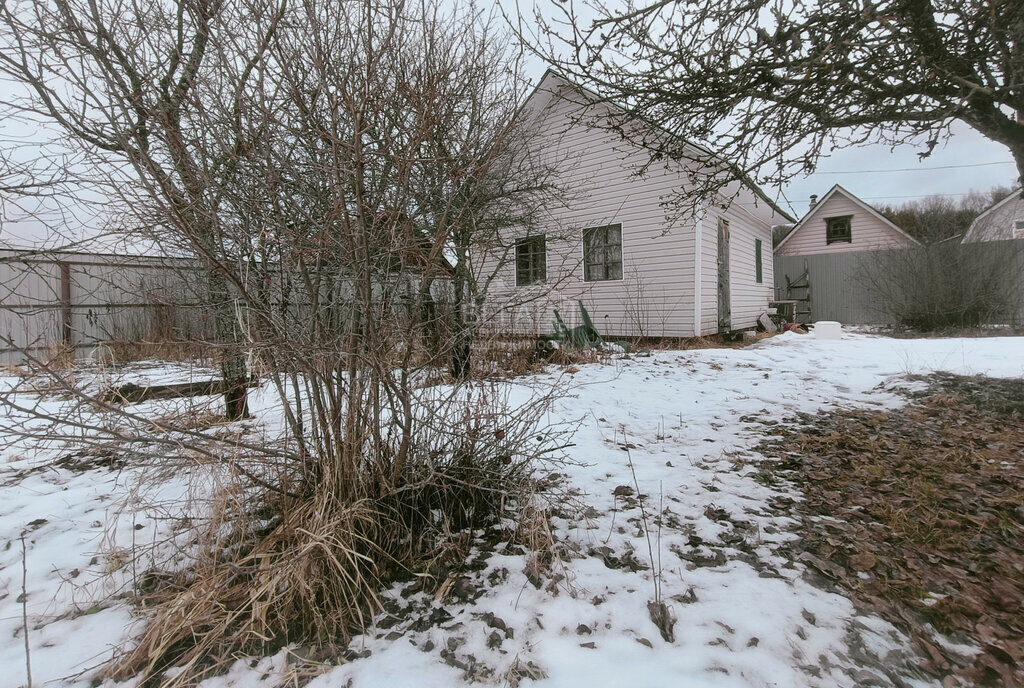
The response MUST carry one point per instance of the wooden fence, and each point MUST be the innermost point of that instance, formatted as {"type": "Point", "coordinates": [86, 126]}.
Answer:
{"type": "Point", "coordinates": [53, 301]}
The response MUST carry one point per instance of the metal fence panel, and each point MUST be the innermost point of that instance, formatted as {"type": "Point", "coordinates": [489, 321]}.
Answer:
{"type": "Point", "coordinates": [846, 286]}
{"type": "Point", "coordinates": [54, 300]}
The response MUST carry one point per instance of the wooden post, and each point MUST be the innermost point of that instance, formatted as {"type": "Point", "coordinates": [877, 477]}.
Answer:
{"type": "Point", "coordinates": [65, 304]}
{"type": "Point", "coordinates": [724, 294]}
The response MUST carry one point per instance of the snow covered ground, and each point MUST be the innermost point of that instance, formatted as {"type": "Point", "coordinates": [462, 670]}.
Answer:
{"type": "Point", "coordinates": [680, 425]}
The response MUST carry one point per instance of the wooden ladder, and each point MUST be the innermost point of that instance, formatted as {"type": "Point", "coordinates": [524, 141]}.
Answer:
{"type": "Point", "coordinates": [799, 290]}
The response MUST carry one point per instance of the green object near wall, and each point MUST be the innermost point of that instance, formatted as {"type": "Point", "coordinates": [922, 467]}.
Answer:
{"type": "Point", "coordinates": [583, 336]}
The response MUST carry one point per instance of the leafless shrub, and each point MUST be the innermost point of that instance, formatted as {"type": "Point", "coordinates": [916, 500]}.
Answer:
{"type": "Point", "coordinates": [332, 167]}
{"type": "Point", "coordinates": [945, 284]}
{"type": "Point", "coordinates": [280, 559]}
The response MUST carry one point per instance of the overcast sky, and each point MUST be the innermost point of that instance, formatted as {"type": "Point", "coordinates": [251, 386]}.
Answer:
{"type": "Point", "coordinates": [880, 176]}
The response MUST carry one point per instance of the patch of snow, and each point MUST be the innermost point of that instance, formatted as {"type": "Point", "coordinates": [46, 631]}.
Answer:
{"type": "Point", "coordinates": [678, 425]}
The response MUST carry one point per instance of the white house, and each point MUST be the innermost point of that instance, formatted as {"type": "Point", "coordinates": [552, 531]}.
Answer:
{"type": "Point", "coordinates": [840, 222]}
{"type": "Point", "coordinates": [1004, 220]}
{"type": "Point", "coordinates": [612, 245]}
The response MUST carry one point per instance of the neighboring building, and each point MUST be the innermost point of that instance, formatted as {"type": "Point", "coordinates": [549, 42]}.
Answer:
{"type": "Point", "coordinates": [841, 222]}
{"type": "Point", "coordinates": [827, 266]}
{"type": "Point", "coordinates": [1002, 221]}
{"type": "Point", "coordinates": [612, 247]}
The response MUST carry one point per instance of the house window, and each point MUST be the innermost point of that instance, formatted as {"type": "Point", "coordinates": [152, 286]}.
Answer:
{"type": "Point", "coordinates": [531, 260]}
{"type": "Point", "coordinates": [837, 229]}
{"type": "Point", "coordinates": [758, 274]}
{"type": "Point", "coordinates": [1018, 229]}
{"type": "Point", "coordinates": [602, 253]}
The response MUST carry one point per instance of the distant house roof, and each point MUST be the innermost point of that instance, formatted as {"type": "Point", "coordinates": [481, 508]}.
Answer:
{"type": "Point", "coordinates": [837, 189]}
{"type": "Point", "coordinates": [998, 222]}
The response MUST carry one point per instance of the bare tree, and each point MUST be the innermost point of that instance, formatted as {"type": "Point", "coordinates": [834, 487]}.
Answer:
{"type": "Point", "coordinates": [335, 167]}
{"type": "Point", "coordinates": [938, 218]}
{"type": "Point", "coordinates": [944, 283]}
{"type": "Point", "coordinates": [131, 85]}
{"type": "Point", "coordinates": [771, 85]}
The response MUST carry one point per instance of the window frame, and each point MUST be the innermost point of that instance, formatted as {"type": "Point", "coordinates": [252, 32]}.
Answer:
{"type": "Point", "coordinates": [832, 237]}
{"type": "Point", "coordinates": [536, 270]}
{"type": "Point", "coordinates": [589, 263]}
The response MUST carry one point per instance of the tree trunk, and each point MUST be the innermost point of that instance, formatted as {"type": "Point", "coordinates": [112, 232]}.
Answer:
{"type": "Point", "coordinates": [462, 337]}
{"type": "Point", "coordinates": [232, 362]}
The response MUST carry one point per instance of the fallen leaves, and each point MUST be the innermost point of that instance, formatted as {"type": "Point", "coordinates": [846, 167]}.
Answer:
{"type": "Point", "coordinates": [916, 513]}
{"type": "Point", "coordinates": [865, 561]}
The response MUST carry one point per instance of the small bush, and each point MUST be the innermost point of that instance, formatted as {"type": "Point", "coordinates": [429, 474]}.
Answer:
{"type": "Point", "coordinates": [946, 285]}
{"type": "Point", "coordinates": [297, 554]}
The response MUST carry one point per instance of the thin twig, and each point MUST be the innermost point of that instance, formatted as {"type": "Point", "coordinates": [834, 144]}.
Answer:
{"type": "Point", "coordinates": [643, 517]}
{"type": "Point", "coordinates": [24, 610]}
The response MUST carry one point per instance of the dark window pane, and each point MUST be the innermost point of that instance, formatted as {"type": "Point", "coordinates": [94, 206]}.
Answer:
{"type": "Point", "coordinates": [531, 260]}
{"type": "Point", "coordinates": [758, 275]}
{"type": "Point", "coordinates": [838, 229]}
{"type": "Point", "coordinates": [602, 253]}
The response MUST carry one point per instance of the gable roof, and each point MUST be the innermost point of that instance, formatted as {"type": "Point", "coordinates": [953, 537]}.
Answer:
{"type": "Point", "coordinates": [836, 189]}
{"type": "Point", "coordinates": [979, 222]}
{"type": "Point", "coordinates": [552, 81]}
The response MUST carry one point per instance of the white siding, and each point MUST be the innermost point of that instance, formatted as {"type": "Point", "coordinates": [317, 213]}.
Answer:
{"type": "Point", "coordinates": [999, 222]}
{"type": "Point", "coordinates": [748, 298]}
{"type": "Point", "coordinates": [709, 275]}
{"type": "Point", "coordinates": [656, 295]}
{"type": "Point", "coordinates": [867, 231]}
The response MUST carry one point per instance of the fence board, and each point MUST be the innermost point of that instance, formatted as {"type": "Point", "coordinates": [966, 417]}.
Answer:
{"type": "Point", "coordinates": [54, 299]}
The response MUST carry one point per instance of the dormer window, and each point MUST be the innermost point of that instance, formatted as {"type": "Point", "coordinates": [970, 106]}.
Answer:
{"type": "Point", "coordinates": [837, 229]}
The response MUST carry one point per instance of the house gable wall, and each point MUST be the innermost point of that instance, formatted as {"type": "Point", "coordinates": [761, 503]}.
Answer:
{"type": "Point", "coordinates": [656, 295]}
{"type": "Point", "coordinates": [868, 232]}
{"type": "Point", "coordinates": [998, 223]}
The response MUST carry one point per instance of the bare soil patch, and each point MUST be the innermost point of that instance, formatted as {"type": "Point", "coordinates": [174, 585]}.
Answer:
{"type": "Point", "coordinates": [918, 515]}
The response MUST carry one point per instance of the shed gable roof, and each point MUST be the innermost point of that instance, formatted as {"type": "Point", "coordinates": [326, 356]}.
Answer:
{"type": "Point", "coordinates": [977, 227]}
{"type": "Point", "coordinates": [838, 190]}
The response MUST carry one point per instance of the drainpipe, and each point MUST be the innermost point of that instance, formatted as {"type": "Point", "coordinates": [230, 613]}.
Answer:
{"type": "Point", "coordinates": [697, 275]}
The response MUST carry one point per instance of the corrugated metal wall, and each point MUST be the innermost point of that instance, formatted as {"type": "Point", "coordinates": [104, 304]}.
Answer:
{"type": "Point", "coordinates": [54, 299]}
{"type": "Point", "coordinates": [854, 288]}
{"type": "Point", "coordinates": [838, 290]}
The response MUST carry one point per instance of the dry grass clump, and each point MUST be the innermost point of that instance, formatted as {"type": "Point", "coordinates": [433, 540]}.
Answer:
{"type": "Point", "coordinates": [313, 575]}
{"type": "Point", "coordinates": [296, 552]}
{"type": "Point", "coordinates": [160, 349]}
